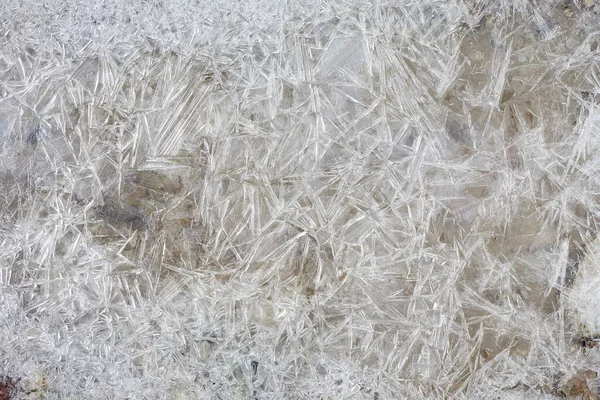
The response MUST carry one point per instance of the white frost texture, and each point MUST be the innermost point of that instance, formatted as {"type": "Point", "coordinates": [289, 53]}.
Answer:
{"type": "Point", "coordinates": [299, 199]}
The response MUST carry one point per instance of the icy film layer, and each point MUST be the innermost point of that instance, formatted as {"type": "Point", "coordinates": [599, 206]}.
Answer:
{"type": "Point", "coordinates": [299, 200]}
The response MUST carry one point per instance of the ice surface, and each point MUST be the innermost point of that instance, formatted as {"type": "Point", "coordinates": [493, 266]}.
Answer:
{"type": "Point", "coordinates": [290, 200]}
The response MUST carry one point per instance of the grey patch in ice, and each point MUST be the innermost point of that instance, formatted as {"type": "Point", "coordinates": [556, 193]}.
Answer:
{"type": "Point", "coordinates": [123, 215]}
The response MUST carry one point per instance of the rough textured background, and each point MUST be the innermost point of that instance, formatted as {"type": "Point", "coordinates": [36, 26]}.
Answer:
{"type": "Point", "coordinates": [299, 200]}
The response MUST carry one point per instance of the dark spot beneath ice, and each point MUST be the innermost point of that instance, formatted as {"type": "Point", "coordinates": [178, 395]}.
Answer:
{"type": "Point", "coordinates": [119, 215]}
{"type": "Point", "coordinates": [8, 388]}
{"type": "Point", "coordinates": [4, 394]}
{"type": "Point", "coordinates": [32, 137]}
{"type": "Point", "coordinates": [457, 131]}
{"type": "Point", "coordinates": [543, 28]}
{"type": "Point", "coordinates": [589, 342]}
{"type": "Point", "coordinates": [254, 365]}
